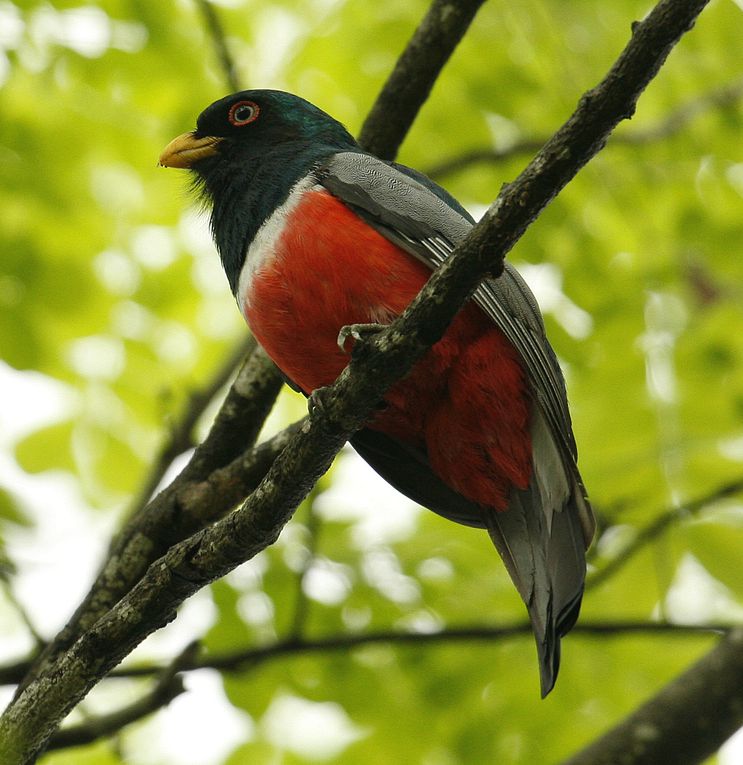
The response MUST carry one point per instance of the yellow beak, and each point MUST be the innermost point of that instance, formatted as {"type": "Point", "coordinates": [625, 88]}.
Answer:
{"type": "Point", "coordinates": [187, 149]}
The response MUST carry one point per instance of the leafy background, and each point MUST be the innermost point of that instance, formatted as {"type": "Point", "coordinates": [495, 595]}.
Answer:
{"type": "Point", "coordinates": [113, 309]}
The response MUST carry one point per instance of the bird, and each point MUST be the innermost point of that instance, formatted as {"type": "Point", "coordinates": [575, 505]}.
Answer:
{"type": "Point", "coordinates": [322, 242]}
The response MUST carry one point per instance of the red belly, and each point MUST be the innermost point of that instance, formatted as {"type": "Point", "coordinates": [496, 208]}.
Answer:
{"type": "Point", "coordinates": [465, 402]}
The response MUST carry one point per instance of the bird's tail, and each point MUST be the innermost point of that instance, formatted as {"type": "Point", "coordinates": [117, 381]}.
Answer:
{"type": "Point", "coordinates": [542, 538]}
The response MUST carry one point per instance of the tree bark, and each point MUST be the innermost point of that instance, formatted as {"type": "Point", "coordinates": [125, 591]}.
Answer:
{"type": "Point", "coordinates": [684, 723]}
{"type": "Point", "coordinates": [345, 406]}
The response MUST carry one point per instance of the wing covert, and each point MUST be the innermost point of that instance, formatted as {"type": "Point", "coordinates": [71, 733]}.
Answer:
{"type": "Point", "coordinates": [423, 219]}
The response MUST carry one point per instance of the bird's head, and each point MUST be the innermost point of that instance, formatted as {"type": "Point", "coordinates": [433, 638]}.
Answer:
{"type": "Point", "coordinates": [246, 153]}
{"type": "Point", "coordinates": [251, 124]}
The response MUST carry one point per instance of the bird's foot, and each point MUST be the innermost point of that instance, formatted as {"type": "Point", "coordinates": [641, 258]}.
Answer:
{"type": "Point", "coordinates": [358, 333]}
{"type": "Point", "coordinates": [317, 401]}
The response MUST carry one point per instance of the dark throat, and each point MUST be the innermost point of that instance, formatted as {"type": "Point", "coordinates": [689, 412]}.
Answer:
{"type": "Point", "coordinates": [245, 192]}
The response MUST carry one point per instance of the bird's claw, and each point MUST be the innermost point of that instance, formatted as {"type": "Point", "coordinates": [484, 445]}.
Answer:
{"type": "Point", "coordinates": [358, 333]}
{"type": "Point", "coordinates": [316, 404]}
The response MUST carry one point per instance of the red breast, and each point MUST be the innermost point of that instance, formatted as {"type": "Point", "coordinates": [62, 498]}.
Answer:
{"type": "Point", "coordinates": [465, 402]}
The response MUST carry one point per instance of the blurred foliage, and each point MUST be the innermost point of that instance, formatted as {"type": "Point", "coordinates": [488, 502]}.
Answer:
{"type": "Point", "coordinates": [109, 284]}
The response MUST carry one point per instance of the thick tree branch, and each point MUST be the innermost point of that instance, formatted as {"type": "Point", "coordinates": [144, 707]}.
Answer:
{"type": "Point", "coordinates": [676, 121]}
{"type": "Point", "coordinates": [138, 544]}
{"type": "Point", "coordinates": [415, 73]}
{"type": "Point", "coordinates": [171, 516]}
{"type": "Point", "coordinates": [686, 721]}
{"type": "Point", "coordinates": [141, 542]}
{"type": "Point", "coordinates": [30, 720]}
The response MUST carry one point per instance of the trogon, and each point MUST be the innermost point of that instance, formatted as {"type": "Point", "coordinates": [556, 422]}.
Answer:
{"type": "Point", "coordinates": [317, 235]}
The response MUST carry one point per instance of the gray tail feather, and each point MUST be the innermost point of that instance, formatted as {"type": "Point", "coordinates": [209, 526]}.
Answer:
{"type": "Point", "coordinates": [544, 553]}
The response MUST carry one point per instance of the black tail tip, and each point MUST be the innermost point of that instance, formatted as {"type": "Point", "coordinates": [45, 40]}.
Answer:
{"type": "Point", "coordinates": [548, 648]}
{"type": "Point", "coordinates": [549, 664]}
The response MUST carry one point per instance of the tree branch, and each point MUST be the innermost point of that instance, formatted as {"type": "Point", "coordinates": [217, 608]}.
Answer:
{"type": "Point", "coordinates": [238, 659]}
{"type": "Point", "coordinates": [14, 671]}
{"type": "Point", "coordinates": [234, 659]}
{"type": "Point", "coordinates": [28, 723]}
{"type": "Point", "coordinates": [167, 687]}
{"type": "Point", "coordinates": [656, 527]}
{"type": "Point", "coordinates": [219, 41]}
{"type": "Point", "coordinates": [240, 418]}
{"type": "Point", "coordinates": [676, 121]}
{"type": "Point", "coordinates": [171, 516]}
{"type": "Point", "coordinates": [180, 437]}
{"type": "Point", "coordinates": [141, 542]}
{"type": "Point", "coordinates": [686, 721]}
{"type": "Point", "coordinates": [415, 73]}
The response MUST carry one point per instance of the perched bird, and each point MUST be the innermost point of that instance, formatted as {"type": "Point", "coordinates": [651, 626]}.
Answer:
{"type": "Point", "coordinates": [318, 237]}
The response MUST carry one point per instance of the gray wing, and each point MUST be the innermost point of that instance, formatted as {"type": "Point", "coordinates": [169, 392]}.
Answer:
{"type": "Point", "coordinates": [543, 535]}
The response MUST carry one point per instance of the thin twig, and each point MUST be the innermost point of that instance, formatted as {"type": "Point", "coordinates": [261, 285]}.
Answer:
{"type": "Point", "coordinates": [10, 595]}
{"type": "Point", "coordinates": [657, 526]}
{"type": "Point", "coordinates": [236, 659]}
{"type": "Point", "coordinates": [167, 687]}
{"type": "Point", "coordinates": [219, 41]}
{"type": "Point", "coordinates": [676, 121]}
{"type": "Point", "coordinates": [239, 659]}
{"type": "Point", "coordinates": [301, 601]}
{"type": "Point", "coordinates": [719, 98]}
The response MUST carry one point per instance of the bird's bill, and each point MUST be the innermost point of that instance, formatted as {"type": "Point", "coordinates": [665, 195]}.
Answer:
{"type": "Point", "coordinates": [187, 149]}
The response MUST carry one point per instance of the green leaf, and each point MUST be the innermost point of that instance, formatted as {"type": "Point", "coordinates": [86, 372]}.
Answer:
{"type": "Point", "coordinates": [11, 509]}
{"type": "Point", "coordinates": [717, 542]}
{"type": "Point", "coordinates": [47, 449]}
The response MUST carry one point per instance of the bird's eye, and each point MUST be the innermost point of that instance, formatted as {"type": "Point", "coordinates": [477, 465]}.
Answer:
{"type": "Point", "coordinates": [243, 112]}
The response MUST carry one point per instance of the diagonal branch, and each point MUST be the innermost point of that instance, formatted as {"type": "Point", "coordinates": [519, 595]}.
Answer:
{"type": "Point", "coordinates": [415, 73]}
{"type": "Point", "coordinates": [169, 517]}
{"type": "Point", "coordinates": [685, 722]}
{"type": "Point", "coordinates": [657, 526]}
{"type": "Point", "coordinates": [180, 438]}
{"type": "Point", "coordinates": [349, 402]}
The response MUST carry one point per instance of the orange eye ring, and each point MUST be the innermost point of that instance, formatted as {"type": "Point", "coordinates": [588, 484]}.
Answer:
{"type": "Point", "coordinates": [243, 113]}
